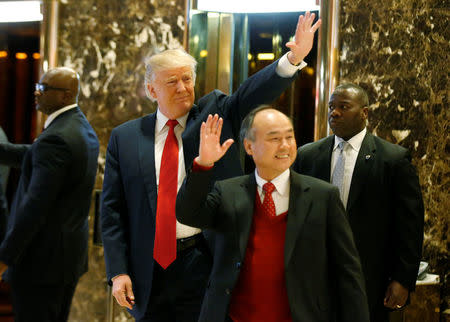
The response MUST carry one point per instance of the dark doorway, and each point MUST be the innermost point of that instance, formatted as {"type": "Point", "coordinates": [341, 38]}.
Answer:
{"type": "Point", "coordinates": [242, 38]}
{"type": "Point", "coordinates": [19, 68]}
{"type": "Point", "coordinates": [268, 33]}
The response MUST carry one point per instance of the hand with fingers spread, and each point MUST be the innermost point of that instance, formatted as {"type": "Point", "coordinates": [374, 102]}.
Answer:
{"type": "Point", "coordinates": [123, 291]}
{"type": "Point", "coordinates": [210, 149]}
{"type": "Point", "coordinates": [303, 39]}
{"type": "Point", "coordinates": [396, 295]}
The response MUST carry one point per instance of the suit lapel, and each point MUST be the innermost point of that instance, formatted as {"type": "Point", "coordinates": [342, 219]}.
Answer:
{"type": "Point", "coordinates": [244, 202]}
{"type": "Point", "coordinates": [323, 159]}
{"type": "Point", "coordinates": [300, 201]}
{"type": "Point", "coordinates": [146, 154]}
{"type": "Point", "coordinates": [191, 137]}
{"type": "Point", "coordinates": [364, 162]}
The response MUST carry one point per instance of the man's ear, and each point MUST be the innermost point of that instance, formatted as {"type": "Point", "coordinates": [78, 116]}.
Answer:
{"type": "Point", "coordinates": [248, 146]}
{"type": "Point", "coordinates": [67, 97]}
{"type": "Point", "coordinates": [151, 90]}
{"type": "Point", "coordinates": [365, 112]}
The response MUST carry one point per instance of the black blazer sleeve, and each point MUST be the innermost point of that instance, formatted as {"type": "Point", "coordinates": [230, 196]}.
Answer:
{"type": "Point", "coordinates": [12, 154]}
{"type": "Point", "coordinates": [51, 157]}
{"type": "Point", "coordinates": [195, 207]}
{"type": "Point", "coordinates": [408, 221]}
{"type": "Point", "coordinates": [113, 205]}
{"type": "Point", "coordinates": [351, 293]}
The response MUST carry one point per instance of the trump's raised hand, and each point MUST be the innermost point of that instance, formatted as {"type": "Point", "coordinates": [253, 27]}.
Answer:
{"type": "Point", "coordinates": [210, 149]}
{"type": "Point", "coordinates": [303, 39]}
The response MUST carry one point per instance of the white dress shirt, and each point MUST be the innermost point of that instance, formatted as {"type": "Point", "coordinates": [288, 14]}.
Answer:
{"type": "Point", "coordinates": [351, 154]}
{"type": "Point", "coordinates": [280, 195]}
{"type": "Point", "coordinates": [52, 116]}
{"type": "Point", "coordinates": [284, 69]}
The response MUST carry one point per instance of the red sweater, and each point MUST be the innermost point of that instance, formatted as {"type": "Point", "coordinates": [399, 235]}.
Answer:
{"type": "Point", "coordinates": [260, 293]}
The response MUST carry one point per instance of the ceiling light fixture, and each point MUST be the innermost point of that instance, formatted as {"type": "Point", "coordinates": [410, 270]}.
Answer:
{"type": "Point", "coordinates": [257, 6]}
{"type": "Point", "coordinates": [20, 11]}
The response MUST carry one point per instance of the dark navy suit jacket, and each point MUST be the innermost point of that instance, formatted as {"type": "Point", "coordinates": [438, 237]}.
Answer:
{"type": "Point", "coordinates": [46, 241]}
{"type": "Point", "coordinates": [129, 189]}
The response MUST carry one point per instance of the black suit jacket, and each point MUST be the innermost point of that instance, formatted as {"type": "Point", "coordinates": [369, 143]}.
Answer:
{"type": "Point", "coordinates": [129, 188]}
{"type": "Point", "coordinates": [47, 235]}
{"type": "Point", "coordinates": [384, 207]}
{"type": "Point", "coordinates": [323, 273]}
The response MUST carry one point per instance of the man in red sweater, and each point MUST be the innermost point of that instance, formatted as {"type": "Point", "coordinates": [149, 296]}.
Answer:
{"type": "Point", "coordinates": [284, 250]}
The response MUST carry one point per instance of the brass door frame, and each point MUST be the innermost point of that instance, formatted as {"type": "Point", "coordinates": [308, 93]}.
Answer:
{"type": "Point", "coordinates": [327, 64]}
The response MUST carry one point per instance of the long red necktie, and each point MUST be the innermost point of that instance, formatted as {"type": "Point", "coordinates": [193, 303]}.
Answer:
{"type": "Point", "coordinates": [268, 204]}
{"type": "Point", "coordinates": [165, 248]}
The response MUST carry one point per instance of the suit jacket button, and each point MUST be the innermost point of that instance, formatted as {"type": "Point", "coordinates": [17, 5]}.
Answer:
{"type": "Point", "coordinates": [228, 291]}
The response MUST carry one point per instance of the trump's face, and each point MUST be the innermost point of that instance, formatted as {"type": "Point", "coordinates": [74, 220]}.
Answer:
{"type": "Point", "coordinates": [173, 89]}
{"type": "Point", "coordinates": [272, 145]}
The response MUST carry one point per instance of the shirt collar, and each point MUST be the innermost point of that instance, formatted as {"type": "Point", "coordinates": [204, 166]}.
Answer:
{"type": "Point", "coordinates": [281, 182]}
{"type": "Point", "coordinates": [355, 141]}
{"type": "Point", "coordinates": [53, 116]}
{"type": "Point", "coordinates": [161, 120]}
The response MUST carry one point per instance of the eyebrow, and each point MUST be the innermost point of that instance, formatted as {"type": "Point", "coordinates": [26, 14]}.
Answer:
{"type": "Point", "coordinates": [342, 102]}
{"type": "Point", "coordinates": [168, 79]}
{"type": "Point", "coordinates": [278, 132]}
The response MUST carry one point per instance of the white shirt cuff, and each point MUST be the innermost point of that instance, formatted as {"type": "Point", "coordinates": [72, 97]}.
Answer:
{"type": "Point", "coordinates": [286, 69]}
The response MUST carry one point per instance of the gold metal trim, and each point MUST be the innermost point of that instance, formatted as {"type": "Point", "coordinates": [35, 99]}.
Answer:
{"type": "Point", "coordinates": [327, 64]}
{"type": "Point", "coordinates": [48, 46]}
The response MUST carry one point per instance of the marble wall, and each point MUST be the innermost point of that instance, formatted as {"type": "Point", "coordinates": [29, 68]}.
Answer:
{"type": "Point", "coordinates": [107, 42]}
{"type": "Point", "coordinates": [399, 51]}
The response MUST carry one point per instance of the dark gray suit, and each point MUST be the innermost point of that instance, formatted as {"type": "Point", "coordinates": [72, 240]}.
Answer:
{"type": "Point", "coordinates": [323, 273]}
{"type": "Point", "coordinates": [385, 211]}
{"type": "Point", "coordinates": [46, 243]}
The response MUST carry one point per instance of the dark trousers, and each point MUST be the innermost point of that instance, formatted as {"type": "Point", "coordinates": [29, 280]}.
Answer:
{"type": "Point", "coordinates": [42, 303]}
{"type": "Point", "coordinates": [177, 292]}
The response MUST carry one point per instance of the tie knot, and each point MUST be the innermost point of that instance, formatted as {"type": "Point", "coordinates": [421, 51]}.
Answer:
{"type": "Point", "coordinates": [342, 145]}
{"type": "Point", "coordinates": [268, 187]}
{"type": "Point", "coordinates": [172, 123]}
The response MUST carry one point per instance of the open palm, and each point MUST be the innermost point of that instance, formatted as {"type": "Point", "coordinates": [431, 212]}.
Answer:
{"type": "Point", "coordinates": [304, 37]}
{"type": "Point", "coordinates": [210, 149]}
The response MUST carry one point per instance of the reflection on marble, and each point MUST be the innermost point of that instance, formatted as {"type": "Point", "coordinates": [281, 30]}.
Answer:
{"type": "Point", "coordinates": [107, 42]}
{"type": "Point", "coordinates": [398, 51]}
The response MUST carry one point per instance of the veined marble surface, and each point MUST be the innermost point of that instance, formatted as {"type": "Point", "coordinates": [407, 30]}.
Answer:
{"type": "Point", "coordinates": [398, 50]}
{"type": "Point", "coordinates": [107, 43]}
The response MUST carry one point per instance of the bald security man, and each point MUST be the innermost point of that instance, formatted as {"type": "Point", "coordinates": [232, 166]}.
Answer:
{"type": "Point", "coordinates": [45, 249]}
